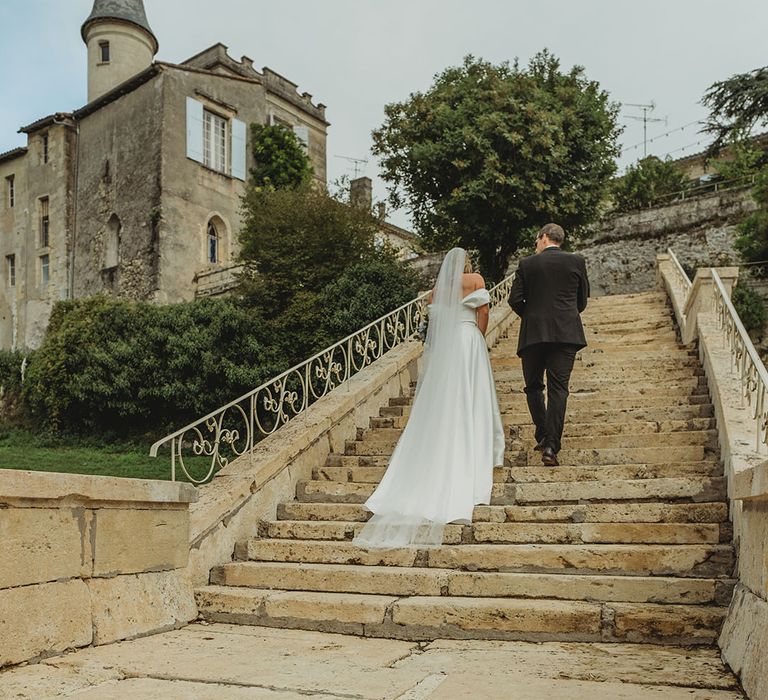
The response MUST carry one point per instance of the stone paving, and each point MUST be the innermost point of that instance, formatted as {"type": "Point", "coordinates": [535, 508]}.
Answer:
{"type": "Point", "coordinates": [208, 662]}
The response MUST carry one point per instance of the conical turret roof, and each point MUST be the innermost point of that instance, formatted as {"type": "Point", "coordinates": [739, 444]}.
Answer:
{"type": "Point", "coordinates": [126, 10]}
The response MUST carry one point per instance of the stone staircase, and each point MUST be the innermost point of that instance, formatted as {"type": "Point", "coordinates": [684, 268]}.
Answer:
{"type": "Point", "coordinates": [627, 541]}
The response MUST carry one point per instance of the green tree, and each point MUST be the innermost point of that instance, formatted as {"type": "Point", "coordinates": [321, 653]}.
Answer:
{"type": "Point", "coordinates": [736, 106]}
{"type": "Point", "coordinates": [279, 158]}
{"type": "Point", "coordinates": [368, 290]}
{"type": "Point", "coordinates": [645, 181]}
{"type": "Point", "coordinates": [752, 241]}
{"type": "Point", "coordinates": [490, 151]}
{"type": "Point", "coordinates": [741, 160]}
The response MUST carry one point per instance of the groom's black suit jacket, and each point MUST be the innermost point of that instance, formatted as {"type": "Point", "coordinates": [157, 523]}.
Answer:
{"type": "Point", "coordinates": [549, 293]}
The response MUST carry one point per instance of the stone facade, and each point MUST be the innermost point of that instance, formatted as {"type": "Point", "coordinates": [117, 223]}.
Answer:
{"type": "Point", "coordinates": [143, 184]}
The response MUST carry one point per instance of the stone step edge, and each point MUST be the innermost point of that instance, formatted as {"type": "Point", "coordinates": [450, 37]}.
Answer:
{"type": "Point", "coordinates": [444, 582]}
{"type": "Point", "coordinates": [469, 533]}
{"type": "Point", "coordinates": [431, 618]}
{"type": "Point", "coordinates": [502, 509]}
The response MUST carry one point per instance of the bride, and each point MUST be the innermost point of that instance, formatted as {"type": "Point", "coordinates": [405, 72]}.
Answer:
{"type": "Point", "coordinates": [443, 463]}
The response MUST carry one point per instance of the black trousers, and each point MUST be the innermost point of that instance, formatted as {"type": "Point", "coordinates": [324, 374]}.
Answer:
{"type": "Point", "coordinates": [556, 360]}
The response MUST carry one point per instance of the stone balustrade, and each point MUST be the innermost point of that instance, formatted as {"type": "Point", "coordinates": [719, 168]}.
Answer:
{"type": "Point", "coordinates": [89, 560]}
{"type": "Point", "coordinates": [744, 637]}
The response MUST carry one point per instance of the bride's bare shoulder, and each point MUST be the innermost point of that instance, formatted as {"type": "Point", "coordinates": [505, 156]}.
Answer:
{"type": "Point", "coordinates": [473, 281]}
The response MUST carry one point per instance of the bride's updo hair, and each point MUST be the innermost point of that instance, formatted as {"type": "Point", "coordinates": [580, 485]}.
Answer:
{"type": "Point", "coordinates": [468, 265]}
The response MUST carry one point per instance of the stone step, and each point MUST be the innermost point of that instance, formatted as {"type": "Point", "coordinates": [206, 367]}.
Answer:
{"type": "Point", "coordinates": [374, 442]}
{"type": "Point", "coordinates": [403, 581]}
{"type": "Point", "coordinates": [686, 560]}
{"type": "Point", "coordinates": [617, 416]}
{"type": "Point", "coordinates": [626, 512]}
{"type": "Point", "coordinates": [697, 489]}
{"type": "Point", "coordinates": [373, 474]}
{"type": "Point", "coordinates": [447, 617]}
{"type": "Point", "coordinates": [617, 374]}
{"type": "Point", "coordinates": [518, 533]}
{"type": "Point", "coordinates": [587, 457]}
{"type": "Point", "coordinates": [577, 404]}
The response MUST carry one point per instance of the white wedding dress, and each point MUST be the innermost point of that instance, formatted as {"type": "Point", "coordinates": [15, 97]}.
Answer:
{"type": "Point", "coordinates": [443, 463]}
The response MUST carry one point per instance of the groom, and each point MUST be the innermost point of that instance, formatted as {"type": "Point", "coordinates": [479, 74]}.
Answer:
{"type": "Point", "coordinates": [549, 293]}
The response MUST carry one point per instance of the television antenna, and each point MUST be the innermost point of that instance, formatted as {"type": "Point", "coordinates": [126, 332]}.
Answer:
{"type": "Point", "coordinates": [358, 164]}
{"type": "Point", "coordinates": [646, 109]}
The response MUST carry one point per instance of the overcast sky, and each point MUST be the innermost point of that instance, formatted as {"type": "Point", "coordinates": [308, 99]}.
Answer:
{"type": "Point", "coordinates": [357, 55]}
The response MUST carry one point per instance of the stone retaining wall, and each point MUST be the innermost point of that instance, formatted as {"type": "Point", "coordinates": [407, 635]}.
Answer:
{"type": "Point", "coordinates": [744, 637]}
{"type": "Point", "coordinates": [89, 560]}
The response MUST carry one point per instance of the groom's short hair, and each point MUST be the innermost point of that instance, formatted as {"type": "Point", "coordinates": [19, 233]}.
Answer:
{"type": "Point", "coordinates": [554, 232]}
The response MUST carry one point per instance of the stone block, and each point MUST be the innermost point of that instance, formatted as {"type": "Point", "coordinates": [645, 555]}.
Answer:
{"type": "Point", "coordinates": [744, 641]}
{"type": "Point", "coordinates": [753, 547]}
{"type": "Point", "coordinates": [548, 617]}
{"type": "Point", "coordinates": [43, 544]}
{"type": "Point", "coordinates": [134, 604]}
{"type": "Point", "coordinates": [134, 541]}
{"type": "Point", "coordinates": [43, 619]}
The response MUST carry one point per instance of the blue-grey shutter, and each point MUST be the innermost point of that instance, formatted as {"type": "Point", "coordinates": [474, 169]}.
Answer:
{"type": "Point", "coordinates": [238, 149]}
{"type": "Point", "coordinates": [194, 130]}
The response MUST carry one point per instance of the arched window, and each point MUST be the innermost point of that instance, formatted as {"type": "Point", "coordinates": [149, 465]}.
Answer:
{"type": "Point", "coordinates": [213, 242]}
{"type": "Point", "coordinates": [112, 242]}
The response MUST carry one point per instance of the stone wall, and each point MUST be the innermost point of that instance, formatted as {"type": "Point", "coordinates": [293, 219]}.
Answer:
{"type": "Point", "coordinates": [621, 250]}
{"type": "Point", "coordinates": [89, 560]}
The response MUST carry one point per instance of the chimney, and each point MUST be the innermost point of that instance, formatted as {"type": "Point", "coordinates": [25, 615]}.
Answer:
{"type": "Point", "coordinates": [381, 211]}
{"type": "Point", "coordinates": [361, 193]}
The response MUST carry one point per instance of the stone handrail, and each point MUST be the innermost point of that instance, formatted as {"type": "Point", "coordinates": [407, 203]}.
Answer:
{"type": "Point", "coordinates": [737, 383]}
{"type": "Point", "coordinates": [233, 430]}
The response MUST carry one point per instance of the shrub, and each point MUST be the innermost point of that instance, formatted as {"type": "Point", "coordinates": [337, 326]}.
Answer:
{"type": "Point", "coordinates": [750, 307]}
{"type": "Point", "coordinates": [120, 367]}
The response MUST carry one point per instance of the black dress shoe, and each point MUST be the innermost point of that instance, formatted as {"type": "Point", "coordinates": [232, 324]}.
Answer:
{"type": "Point", "coordinates": [549, 457]}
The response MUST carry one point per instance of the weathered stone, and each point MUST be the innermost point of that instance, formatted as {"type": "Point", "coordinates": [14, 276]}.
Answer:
{"type": "Point", "coordinates": [163, 534]}
{"type": "Point", "coordinates": [555, 618]}
{"type": "Point", "coordinates": [684, 624]}
{"type": "Point", "coordinates": [744, 640]}
{"type": "Point", "coordinates": [134, 604]}
{"type": "Point", "coordinates": [43, 619]}
{"type": "Point", "coordinates": [43, 544]}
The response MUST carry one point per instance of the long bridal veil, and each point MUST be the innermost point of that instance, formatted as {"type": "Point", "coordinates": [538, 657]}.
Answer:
{"type": "Point", "coordinates": [425, 484]}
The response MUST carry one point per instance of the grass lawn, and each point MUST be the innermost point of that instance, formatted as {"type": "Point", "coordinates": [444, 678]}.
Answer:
{"type": "Point", "coordinates": [23, 450]}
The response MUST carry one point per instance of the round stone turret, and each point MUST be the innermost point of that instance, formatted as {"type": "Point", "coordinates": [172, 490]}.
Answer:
{"type": "Point", "coordinates": [120, 44]}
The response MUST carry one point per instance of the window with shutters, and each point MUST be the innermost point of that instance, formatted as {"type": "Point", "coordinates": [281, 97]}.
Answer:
{"type": "Point", "coordinates": [45, 222]}
{"type": "Point", "coordinates": [45, 148]}
{"type": "Point", "coordinates": [215, 142]}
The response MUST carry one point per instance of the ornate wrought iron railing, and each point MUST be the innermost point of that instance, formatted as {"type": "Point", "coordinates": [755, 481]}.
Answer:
{"type": "Point", "coordinates": [232, 431]}
{"type": "Point", "coordinates": [744, 360]}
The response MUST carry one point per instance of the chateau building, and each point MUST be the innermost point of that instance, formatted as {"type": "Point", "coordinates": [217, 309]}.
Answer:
{"type": "Point", "coordinates": [137, 193]}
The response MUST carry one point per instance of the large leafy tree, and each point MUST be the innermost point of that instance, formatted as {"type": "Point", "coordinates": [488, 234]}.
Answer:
{"type": "Point", "coordinates": [736, 106]}
{"type": "Point", "coordinates": [491, 151]}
